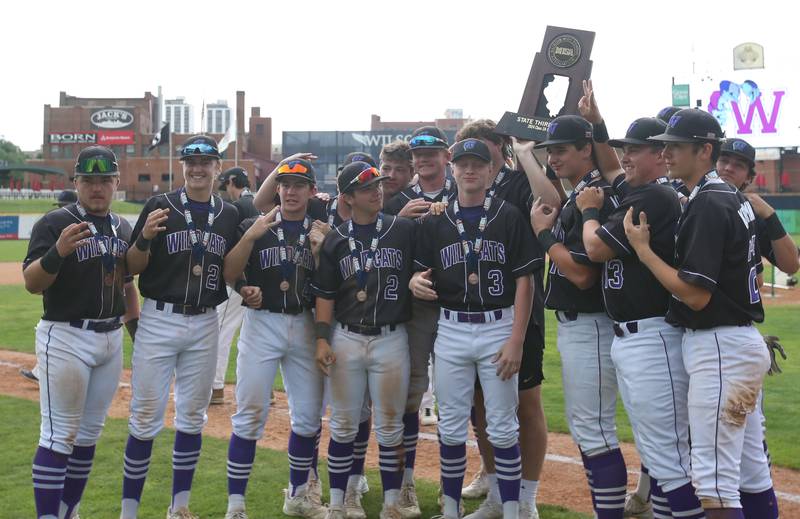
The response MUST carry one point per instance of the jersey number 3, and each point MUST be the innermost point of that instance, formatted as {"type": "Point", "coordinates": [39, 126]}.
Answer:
{"type": "Point", "coordinates": [613, 274]}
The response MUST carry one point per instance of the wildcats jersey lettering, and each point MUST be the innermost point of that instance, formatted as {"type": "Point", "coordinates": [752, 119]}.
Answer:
{"type": "Point", "coordinates": [180, 242]}
{"type": "Point", "coordinates": [389, 258]}
{"type": "Point", "coordinates": [89, 248]}
{"type": "Point", "coordinates": [271, 257]}
{"type": "Point", "coordinates": [494, 251]}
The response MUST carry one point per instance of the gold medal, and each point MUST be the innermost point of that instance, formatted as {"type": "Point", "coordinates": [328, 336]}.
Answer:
{"type": "Point", "coordinates": [284, 286]}
{"type": "Point", "coordinates": [197, 270]}
{"type": "Point", "coordinates": [108, 279]}
{"type": "Point", "coordinates": [473, 279]}
{"type": "Point", "coordinates": [361, 295]}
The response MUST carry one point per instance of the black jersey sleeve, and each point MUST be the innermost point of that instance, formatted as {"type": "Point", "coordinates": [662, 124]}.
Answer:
{"type": "Point", "coordinates": [424, 250]}
{"type": "Point", "coordinates": [327, 278]}
{"type": "Point", "coordinates": [526, 253]}
{"type": "Point", "coordinates": [317, 209]}
{"type": "Point", "coordinates": [43, 236]}
{"type": "Point", "coordinates": [395, 204]}
{"type": "Point", "coordinates": [703, 233]}
{"type": "Point", "coordinates": [620, 186]}
{"type": "Point", "coordinates": [662, 208]}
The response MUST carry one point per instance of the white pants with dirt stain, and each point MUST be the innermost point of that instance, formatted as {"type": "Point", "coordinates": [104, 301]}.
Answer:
{"type": "Point", "coordinates": [726, 367]}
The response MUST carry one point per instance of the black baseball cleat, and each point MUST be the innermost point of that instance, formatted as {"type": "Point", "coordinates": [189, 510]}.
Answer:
{"type": "Point", "coordinates": [29, 375]}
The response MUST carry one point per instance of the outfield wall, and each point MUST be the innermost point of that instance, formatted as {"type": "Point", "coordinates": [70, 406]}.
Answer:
{"type": "Point", "coordinates": [19, 227]}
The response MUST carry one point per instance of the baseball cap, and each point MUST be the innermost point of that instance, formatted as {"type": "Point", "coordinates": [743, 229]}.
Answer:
{"type": "Point", "coordinates": [691, 125]}
{"type": "Point", "coordinates": [740, 148]}
{"type": "Point", "coordinates": [429, 137]}
{"type": "Point", "coordinates": [639, 131]}
{"type": "Point", "coordinates": [471, 147]}
{"type": "Point", "coordinates": [357, 156]}
{"type": "Point", "coordinates": [229, 174]}
{"type": "Point", "coordinates": [97, 161]}
{"type": "Point", "coordinates": [297, 168]}
{"type": "Point", "coordinates": [668, 111]}
{"type": "Point", "coordinates": [356, 175]}
{"type": "Point", "coordinates": [200, 146]}
{"type": "Point", "coordinates": [566, 129]}
{"type": "Point", "coordinates": [66, 197]}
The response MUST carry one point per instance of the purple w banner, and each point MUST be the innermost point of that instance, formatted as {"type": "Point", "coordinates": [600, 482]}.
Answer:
{"type": "Point", "coordinates": [728, 101]}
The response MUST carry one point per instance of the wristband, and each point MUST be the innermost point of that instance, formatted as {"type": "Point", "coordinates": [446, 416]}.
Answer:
{"type": "Point", "coordinates": [142, 243]}
{"type": "Point", "coordinates": [591, 213]}
{"type": "Point", "coordinates": [51, 261]}
{"type": "Point", "coordinates": [600, 132]}
{"type": "Point", "coordinates": [240, 283]}
{"type": "Point", "coordinates": [775, 229]}
{"type": "Point", "coordinates": [546, 239]}
{"type": "Point", "coordinates": [322, 330]}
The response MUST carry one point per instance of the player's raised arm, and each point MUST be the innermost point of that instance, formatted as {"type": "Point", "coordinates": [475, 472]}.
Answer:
{"type": "Point", "coordinates": [541, 186]}
{"type": "Point", "coordinates": [265, 196]}
{"type": "Point", "coordinates": [590, 201]}
{"type": "Point", "coordinates": [607, 160]}
{"type": "Point", "coordinates": [784, 248]}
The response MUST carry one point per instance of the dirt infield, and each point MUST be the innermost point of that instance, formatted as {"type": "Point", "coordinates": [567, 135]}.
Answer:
{"type": "Point", "coordinates": [11, 273]}
{"type": "Point", "coordinates": [563, 481]}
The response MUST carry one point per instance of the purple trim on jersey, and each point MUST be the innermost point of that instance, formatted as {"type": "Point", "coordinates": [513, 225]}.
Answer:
{"type": "Point", "coordinates": [603, 228]}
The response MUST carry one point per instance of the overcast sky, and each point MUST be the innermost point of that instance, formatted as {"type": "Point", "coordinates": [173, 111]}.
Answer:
{"type": "Point", "coordinates": [328, 65]}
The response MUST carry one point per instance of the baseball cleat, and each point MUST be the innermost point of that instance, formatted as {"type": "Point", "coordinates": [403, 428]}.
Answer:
{"type": "Point", "coordinates": [29, 375]}
{"type": "Point", "coordinates": [390, 512]}
{"type": "Point", "coordinates": [363, 485]}
{"type": "Point", "coordinates": [336, 512]}
{"type": "Point", "coordinates": [407, 502]}
{"type": "Point", "coordinates": [528, 512]}
{"type": "Point", "coordinates": [217, 396]}
{"type": "Point", "coordinates": [489, 509]}
{"type": "Point", "coordinates": [440, 502]}
{"type": "Point", "coordinates": [429, 417]}
{"type": "Point", "coordinates": [314, 489]}
{"type": "Point", "coordinates": [478, 487]}
{"type": "Point", "coordinates": [352, 505]}
{"type": "Point", "coordinates": [637, 507]}
{"type": "Point", "coordinates": [237, 514]}
{"type": "Point", "coordinates": [303, 505]}
{"type": "Point", "coordinates": [180, 513]}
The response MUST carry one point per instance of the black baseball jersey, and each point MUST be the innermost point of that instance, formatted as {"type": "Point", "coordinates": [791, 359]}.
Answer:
{"type": "Point", "coordinates": [264, 268]}
{"type": "Point", "coordinates": [717, 248]}
{"type": "Point", "coordinates": [168, 276]}
{"type": "Point", "coordinates": [560, 293]}
{"type": "Point", "coordinates": [506, 254]}
{"type": "Point", "coordinates": [399, 201]}
{"type": "Point", "coordinates": [630, 289]}
{"type": "Point", "coordinates": [513, 187]}
{"type": "Point", "coordinates": [79, 290]}
{"type": "Point", "coordinates": [245, 206]}
{"type": "Point", "coordinates": [319, 210]}
{"type": "Point", "coordinates": [388, 298]}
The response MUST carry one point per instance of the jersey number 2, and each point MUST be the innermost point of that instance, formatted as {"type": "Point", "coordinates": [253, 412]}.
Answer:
{"type": "Point", "coordinates": [212, 281]}
{"type": "Point", "coordinates": [390, 292]}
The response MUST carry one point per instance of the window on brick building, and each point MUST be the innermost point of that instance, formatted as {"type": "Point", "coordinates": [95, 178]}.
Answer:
{"type": "Point", "coordinates": [130, 150]}
{"type": "Point", "coordinates": [165, 177]}
{"type": "Point", "coordinates": [259, 129]}
{"type": "Point", "coordinates": [144, 177]}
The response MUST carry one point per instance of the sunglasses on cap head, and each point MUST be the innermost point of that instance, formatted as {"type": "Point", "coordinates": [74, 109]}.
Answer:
{"type": "Point", "coordinates": [199, 148]}
{"type": "Point", "coordinates": [292, 167]}
{"type": "Point", "coordinates": [364, 177]}
{"type": "Point", "coordinates": [426, 140]}
{"type": "Point", "coordinates": [96, 164]}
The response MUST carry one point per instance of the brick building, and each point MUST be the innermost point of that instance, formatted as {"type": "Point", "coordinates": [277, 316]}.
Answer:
{"type": "Point", "coordinates": [127, 125]}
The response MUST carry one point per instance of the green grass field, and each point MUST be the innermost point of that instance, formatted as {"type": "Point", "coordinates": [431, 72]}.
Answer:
{"type": "Point", "coordinates": [209, 492]}
{"type": "Point", "coordinates": [19, 312]}
{"type": "Point", "coordinates": [43, 206]}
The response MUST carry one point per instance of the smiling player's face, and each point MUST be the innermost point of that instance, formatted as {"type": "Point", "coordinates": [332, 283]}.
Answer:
{"type": "Point", "coordinates": [199, 174]}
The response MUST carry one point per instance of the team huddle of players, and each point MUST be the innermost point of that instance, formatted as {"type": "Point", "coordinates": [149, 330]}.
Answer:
{"type": "Point", "coordinates": [654, 276]}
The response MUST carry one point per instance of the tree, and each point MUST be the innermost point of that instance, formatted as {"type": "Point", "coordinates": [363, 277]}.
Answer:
{"type": "Point", "coordinates": [10, 153]}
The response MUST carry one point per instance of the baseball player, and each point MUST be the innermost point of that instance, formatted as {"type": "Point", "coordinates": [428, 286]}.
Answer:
{"type": "Point", "coordinates": [646, 350]}
{"type": "Point", "coordinates": [275, 254]}
{"type": "Point", "coordinates": [364, 269]}
{"type": "Point", "coordinates": [736, 165]}
{"type": "Point", "coordinates": [234, 181]}
{"type": "Point", "coordinates": [515, 187]}
{"type": "Point", "coordinates": [76, 260]}
{"type": "Point", "coordinates": [181, 239]}
{"type": "Point", "coordinates": [430, 156]}
{"type": "Point", "coordinates": [476, 259]}
{"type": "Point", "coordinates": [65, 197]}
{"type": "Point", "coordinates": [716, 298]}
{"type": "Point", "coordinates": [585, 332]}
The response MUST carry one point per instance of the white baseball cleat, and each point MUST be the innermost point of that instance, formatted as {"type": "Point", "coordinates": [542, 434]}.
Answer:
{"type": "Point", "coordinates": [407, 502]}
{"type": "Point", "coordinates": [637, 507]}
{"type": "Point", "coordinates": [180, 513]}
{"type": "Point", "coordinates": [303, 505]}
{"type": "Point", "coordinates": [336, 512]}
{"type": "Point", "coordinates": [528, 512]}
{"type": "Point", "coordinates": [363, 485]}
{"type": "Point", "coordinates": [314, 489]}
{"type": "Point", "coordinates": [352, 505]}
{"type": "Point", "coordinates": [428, 417]}
{"type": "Point", "coordinates": [390, 512]}
{"type": "Point", "coordinates": [478, 487]}
{"type": "Point", "coordinates": [489, 509]}
{"type": "Point", "coordinates": [236, 514]}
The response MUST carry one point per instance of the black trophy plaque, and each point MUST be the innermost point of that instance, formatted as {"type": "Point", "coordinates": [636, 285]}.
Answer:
{"type": "Point", "coordinates": [565, 52]}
